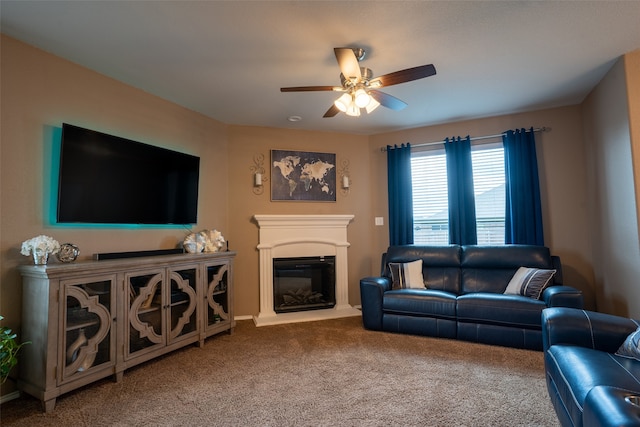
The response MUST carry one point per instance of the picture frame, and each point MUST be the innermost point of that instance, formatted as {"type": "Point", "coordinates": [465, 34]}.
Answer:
{"type": "Point", "coordinates": [303, 176]}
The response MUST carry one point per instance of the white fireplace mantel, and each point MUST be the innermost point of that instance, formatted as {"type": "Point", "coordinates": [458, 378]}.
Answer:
{"type": "Point", "coordinates": [289, 236]}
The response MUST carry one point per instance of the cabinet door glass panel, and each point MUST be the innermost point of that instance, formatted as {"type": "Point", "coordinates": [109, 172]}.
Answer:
{"type": "Point", "coordinates": [183, 303]}
{"type": "Point", "coordinates": [88, 337]}
{"type": "Point", "coordinates": [146, 322]}
{"type": "Point", "coordinates": [217, 296]}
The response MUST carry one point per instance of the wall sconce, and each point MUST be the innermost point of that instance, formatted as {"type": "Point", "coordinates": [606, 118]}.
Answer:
{"type": "Point", "coordinates": [345, 180]}
{"type": "Point", "coordinates": [258, 173]}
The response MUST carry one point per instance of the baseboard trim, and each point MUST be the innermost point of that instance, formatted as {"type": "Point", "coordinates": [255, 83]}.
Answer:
{"type": "Point", "coordinates": [250, 317]}
{"type": "Point", "coordinates": [10, 396]}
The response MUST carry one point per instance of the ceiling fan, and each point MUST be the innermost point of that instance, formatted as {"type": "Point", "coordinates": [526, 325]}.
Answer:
{"type": "Point", "coordinates": [360, 87]}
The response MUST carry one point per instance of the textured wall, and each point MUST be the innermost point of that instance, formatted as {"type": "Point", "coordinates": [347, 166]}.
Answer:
{"type": "Point", "coordinates": [612, 208]}
{"type": "Point", "coordinates": [562, 169]}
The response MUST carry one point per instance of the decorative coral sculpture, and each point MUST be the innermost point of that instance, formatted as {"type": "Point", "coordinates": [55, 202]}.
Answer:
{"type": "Point", "coordinates": [214, 240]}
{"type": "Point", "coordinates": [194, 243]}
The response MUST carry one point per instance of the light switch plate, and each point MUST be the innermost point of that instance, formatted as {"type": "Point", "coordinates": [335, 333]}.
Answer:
{"type": "Point", "coordinates": [379, 220]}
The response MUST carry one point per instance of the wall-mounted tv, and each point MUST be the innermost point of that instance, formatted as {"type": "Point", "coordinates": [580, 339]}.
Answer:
{"type": "Point", "coordinates": [106, 179]}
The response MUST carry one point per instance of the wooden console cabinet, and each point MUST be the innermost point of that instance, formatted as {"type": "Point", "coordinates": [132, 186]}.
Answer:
{"type": "Point", "coordinates": [89, 320]}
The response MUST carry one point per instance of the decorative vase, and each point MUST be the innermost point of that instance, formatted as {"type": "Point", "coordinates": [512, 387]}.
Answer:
{"type": "Point", "coordinates": [40, 258]}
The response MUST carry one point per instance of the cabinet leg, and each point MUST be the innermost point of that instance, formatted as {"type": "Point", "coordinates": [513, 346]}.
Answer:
{"type": "Point", "coordinates": [48, 405]}
{"type": "Point", "coordinates": [118, 376]}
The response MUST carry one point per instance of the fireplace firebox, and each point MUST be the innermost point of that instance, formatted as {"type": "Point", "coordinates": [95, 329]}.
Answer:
{"type": "Point", "coordinates": [306, 283]}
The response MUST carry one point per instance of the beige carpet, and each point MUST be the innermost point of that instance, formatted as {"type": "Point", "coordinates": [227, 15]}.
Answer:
{"type": "Point", "coordinates": [329, 373]}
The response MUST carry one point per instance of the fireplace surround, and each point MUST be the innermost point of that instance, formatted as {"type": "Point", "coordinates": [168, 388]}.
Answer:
{"type": "Point", "coordinates": [293, 236]}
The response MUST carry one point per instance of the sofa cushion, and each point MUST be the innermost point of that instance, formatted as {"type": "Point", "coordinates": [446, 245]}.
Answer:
{"type": "Point", "coordinates": [530, 282]}
{"type": "Point", "coordinates": [420, 302]}
{"type": "Point", "coordinates": [574, 371]}
{"type": "Point", "coordinates": [631, 346]}
{"type": "Point", "coordinates": [406, 275]}
{"type": "Point", "coordinates": [500, 309]}
{"type": "Point", "coordinates": [440, 264]}
{"type": "Point", "coordinates": [491, 268]}
{"type": "Point", "coordinates": [506, 256]}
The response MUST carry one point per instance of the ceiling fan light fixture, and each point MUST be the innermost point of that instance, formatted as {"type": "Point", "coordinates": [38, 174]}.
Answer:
{"type": "Point", "coordinates": [362, 98]}
{"type": "Point", "coordinates": [359, 86]}
{"type": "Point", "coordinates": [343, 102]}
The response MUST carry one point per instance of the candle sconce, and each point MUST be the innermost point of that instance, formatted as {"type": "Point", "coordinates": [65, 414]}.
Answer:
{"type": "Point", "coordinates": [345, 180]}
{"type": "Point", "coordinates": [258, 174]}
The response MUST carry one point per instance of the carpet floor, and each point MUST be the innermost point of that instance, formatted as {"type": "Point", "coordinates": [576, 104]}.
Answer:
{"type": "Point", "coordinates": [327, 373]}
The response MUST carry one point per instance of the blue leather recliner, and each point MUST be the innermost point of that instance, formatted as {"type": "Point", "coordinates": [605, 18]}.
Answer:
{"type": "Point", "coordinates": [465, 296]}
{"type": "Point", "coordinates": [589, 385]}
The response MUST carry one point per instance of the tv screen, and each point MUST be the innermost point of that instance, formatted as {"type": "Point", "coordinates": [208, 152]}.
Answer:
{"type": "Point", "coordinates": [106, 179]}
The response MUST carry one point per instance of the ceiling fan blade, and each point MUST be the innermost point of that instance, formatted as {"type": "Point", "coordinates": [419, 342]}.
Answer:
{"type": "Point", "coordinates": [308, 88]}
{"type": "Point", "coordinates": [348, 62]}
{"type": "Point", "coordinates": [387, 100]}
{"type": "Point", "coordinates": [332, 111]}
{"type": "Point", "coordinates": [407, 75]}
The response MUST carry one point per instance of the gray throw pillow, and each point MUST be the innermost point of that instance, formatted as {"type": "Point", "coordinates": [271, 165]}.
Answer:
{"type": "Point", "coordinates": [631, 346]}
{"type": "Point", "coordinates": [530, 282]}
{"type": "Point", "coordinates": [407, 275]}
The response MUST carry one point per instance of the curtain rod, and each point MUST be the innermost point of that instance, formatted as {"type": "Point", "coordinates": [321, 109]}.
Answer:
{"type": "Point", "coordinates": [475, 138]}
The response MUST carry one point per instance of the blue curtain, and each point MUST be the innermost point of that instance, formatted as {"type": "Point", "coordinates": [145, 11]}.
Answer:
{"type": "Point", "coordinates": [462, 206]}
{"type": "Point", "coordinates": [400, 195]}
{"type": "Point", "coordinates": [523, 220]}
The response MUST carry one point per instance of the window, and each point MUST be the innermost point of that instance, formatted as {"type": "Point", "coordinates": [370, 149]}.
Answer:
{"type": "Point", "coordinates": [430, 204]}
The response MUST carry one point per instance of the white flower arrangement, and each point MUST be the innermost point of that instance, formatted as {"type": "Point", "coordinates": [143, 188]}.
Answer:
{"type": "Point", "coordinates": [40, 245]}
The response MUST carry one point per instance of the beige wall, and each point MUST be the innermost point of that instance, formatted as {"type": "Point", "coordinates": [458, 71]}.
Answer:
{"type": "Point", "coordinates": [247, 142]}
{"type": "Point", "coordinates": [562, 172]}
{"type": "Point", "coordinates": [39, 93]}
{"type": "Point", "coordinates": [632, 74]}
{"type": "Point", "coordinates": [608, 120]}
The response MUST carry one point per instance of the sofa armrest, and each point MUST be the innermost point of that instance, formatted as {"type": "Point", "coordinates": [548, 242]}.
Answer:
{"type": "Point", "coordinates": [608, 406]}
{"type": "Point", "coordinates": [563, 296]}
{"type": "Point", "coordinates": [600, 331]}
{"type": "Point", "coordinates": [371, 293]}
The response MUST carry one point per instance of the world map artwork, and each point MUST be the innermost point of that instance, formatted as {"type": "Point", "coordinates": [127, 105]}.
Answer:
{"type": "Point", "coordinates": [300, 175]}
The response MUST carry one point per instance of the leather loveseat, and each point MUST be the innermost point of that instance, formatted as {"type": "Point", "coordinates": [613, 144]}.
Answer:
{"type": "Point", "coordinates": [589, 384]}
{"type": "Point", "coordinates": [464, 295]}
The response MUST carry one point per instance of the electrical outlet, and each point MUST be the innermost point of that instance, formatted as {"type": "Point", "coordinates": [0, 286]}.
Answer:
{"type": "Point", "coordinates": [379, 220]}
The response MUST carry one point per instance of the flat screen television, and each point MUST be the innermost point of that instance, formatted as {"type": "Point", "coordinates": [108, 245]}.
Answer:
{"type": "Point", "coordinates": [106, 179]}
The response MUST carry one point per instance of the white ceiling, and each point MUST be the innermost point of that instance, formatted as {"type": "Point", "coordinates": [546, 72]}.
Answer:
{"type": "Point", "coordinates": [228, 59]}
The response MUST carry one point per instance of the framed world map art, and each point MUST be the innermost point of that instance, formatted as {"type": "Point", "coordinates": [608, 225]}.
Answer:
{"type": "Point", "coordinates": [303, 176]}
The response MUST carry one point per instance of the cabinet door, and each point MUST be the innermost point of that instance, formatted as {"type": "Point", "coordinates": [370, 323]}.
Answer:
{"type": "Point", "coordinates": [217, 296]}
{"type": "Point", "coordinates": [144, 301]}
{"type": "Point", "coordinates": [87, 318]}
{"type": "Point", "coordinates": [182, 303]}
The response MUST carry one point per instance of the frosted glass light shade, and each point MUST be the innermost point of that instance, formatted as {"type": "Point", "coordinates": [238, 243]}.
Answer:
{"type": "Point", "coordinates": [343, 102]}
{"type": "Point", "coordinates": [372, 105]}
{"type": "Point", "coordinates": [362, 98]}
{"type": "Point", "coordinates": [353, 110]}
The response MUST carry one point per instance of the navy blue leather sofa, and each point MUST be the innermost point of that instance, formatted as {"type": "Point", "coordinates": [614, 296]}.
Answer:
{"type": "Point", "coordinates": [464, 298]}
{"type": "Point", "coordinates": [588, 383]}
